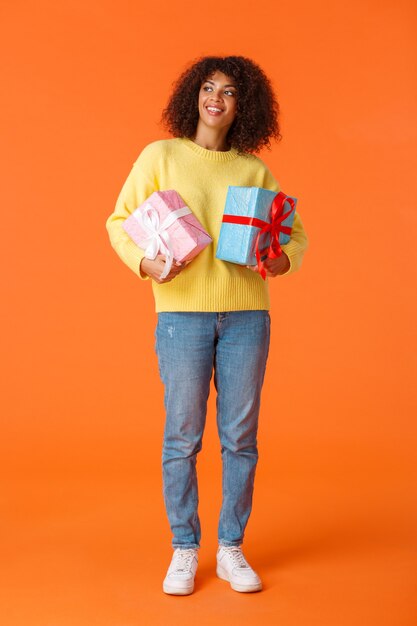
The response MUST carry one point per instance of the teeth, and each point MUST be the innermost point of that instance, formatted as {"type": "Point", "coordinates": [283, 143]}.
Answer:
{"type": "Point", "coordinates": [214, 109]}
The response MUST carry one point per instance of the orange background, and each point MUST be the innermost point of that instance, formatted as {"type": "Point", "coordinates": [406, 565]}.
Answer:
{"type": "Point", "coordinates": [333, 529]}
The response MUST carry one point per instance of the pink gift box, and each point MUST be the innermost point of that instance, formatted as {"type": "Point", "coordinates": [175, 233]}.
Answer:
{"type": "Point", "coordinates": [186, 235]}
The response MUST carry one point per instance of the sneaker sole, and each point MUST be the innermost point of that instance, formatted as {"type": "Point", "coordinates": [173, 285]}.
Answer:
{"type": "Point", "coordinates": [236, 586]}
{"type": "Point", "coordinates": [177, 591]}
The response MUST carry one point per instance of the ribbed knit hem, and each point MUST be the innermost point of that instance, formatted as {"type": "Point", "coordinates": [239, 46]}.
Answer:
{"type": "Point", "coordinates": [211, 294]}
{"type": "Point", "coordinates": [211, 155]}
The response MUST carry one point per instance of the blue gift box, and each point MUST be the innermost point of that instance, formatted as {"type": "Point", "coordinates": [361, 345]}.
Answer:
{"type": "Point", "coordinates": [236, 242]}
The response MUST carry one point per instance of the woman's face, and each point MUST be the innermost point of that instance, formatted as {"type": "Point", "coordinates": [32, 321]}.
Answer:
{"type": "Point", "coordinates": [217, 101]}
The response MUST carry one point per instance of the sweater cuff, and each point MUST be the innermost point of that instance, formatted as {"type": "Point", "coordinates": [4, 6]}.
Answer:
{"type": "Point", "coordinates": [142, 274]}
{"type": "Point", "coordinates": [291, 249]}
{"type": "Point", "coordinates": [132, 256]}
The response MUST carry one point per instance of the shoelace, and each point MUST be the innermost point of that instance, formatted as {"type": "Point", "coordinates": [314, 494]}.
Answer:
{"type": "Point", "coordinates": [183, 560]}
{"type": "Point", "coordinates": [237, 556]}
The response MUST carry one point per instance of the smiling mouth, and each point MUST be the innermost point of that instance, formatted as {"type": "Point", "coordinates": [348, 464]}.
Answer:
{"type": "Point", "coordinates": [214, 110]}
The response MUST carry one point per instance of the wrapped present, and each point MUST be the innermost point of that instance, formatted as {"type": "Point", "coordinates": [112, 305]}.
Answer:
{"type": "Point", "coordinates": [163, 224]}
{"type": "Point", "coordinates": [256, 222]}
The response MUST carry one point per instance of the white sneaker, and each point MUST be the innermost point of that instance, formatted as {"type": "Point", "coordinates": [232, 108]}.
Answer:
{"type": "Point", "coordinates": [233, 567]}
{"type": "Point", "coordinates": [181, 572]}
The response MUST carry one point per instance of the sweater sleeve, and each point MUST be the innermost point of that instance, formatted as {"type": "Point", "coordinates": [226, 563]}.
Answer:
{"type": "Point", "coordinates": [139, 185]}
{"type": "Point", "coordinates": [298, 243]}
{"type": "Point", "coordinates": [296, 246]}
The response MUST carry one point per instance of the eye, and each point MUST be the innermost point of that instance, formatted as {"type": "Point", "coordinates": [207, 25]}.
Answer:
{"type": "Point", "coordinates": [207, 88]}
{"type": "Point", "coordinates": [230, 93]}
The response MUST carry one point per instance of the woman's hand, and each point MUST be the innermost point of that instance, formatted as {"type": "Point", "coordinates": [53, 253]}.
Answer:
{"type": "Point", "coordinates": [154, 268]}
{"type": "Point", "coordinates": [274, 267]}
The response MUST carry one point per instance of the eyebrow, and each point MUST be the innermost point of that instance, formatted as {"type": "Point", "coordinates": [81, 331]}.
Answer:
{"type": "Point", "coordinates": [212, 82]}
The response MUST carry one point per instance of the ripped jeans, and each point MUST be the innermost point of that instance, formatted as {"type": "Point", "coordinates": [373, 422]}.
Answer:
{"type": "Point", "coordinates": [190, 346]}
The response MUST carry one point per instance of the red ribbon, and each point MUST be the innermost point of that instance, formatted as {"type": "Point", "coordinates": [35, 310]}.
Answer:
{"type": "Point", "coordinates": [275, 227]}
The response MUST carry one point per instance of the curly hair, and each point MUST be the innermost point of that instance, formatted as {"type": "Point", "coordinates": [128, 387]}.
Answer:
{"type": "Point", "coordinates": [257, 110]}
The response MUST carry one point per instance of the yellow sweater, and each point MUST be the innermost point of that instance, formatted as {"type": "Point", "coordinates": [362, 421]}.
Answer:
{"type": "Point", "coordinates": [201, 177]}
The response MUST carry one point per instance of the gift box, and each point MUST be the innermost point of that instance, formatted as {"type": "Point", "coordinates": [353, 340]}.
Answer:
{"type": "Point", "coordinates": [254, 221]}
{"type": "Point", "coordinates": [163, 224]}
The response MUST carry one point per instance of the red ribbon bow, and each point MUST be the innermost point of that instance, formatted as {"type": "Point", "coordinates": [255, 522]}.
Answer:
{"type": "Point", "coordinates": [275, 227]}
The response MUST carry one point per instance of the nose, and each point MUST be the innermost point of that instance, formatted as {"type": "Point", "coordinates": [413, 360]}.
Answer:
{"type": "Point", "coordinates": [216, 95]}
{"type": "Point", "coordinates": [216, 101]}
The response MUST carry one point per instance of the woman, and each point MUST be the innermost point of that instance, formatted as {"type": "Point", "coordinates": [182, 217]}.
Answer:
{"type": "Point", "coordinates": [212, 315]}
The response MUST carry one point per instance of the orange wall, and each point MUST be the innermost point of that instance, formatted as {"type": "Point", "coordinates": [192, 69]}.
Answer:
{"type": "Point", "coordinates": [82, 87]}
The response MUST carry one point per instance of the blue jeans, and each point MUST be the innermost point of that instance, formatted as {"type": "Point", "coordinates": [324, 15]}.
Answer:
{"type": "Point", "coordinates": [189, 347]}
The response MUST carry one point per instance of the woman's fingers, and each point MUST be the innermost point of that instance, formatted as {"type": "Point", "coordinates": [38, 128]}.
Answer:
{"type": "Point", "coordinates": [176, 268]}
{"type": "Point", "coordinates": [155, 267]}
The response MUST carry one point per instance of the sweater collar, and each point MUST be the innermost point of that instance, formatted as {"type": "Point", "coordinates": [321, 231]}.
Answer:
{"type": "Point", "coordinates": [211, 155]}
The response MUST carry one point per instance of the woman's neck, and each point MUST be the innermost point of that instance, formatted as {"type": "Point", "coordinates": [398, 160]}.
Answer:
{"type": "Point", "coordinates": [211, 139]}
